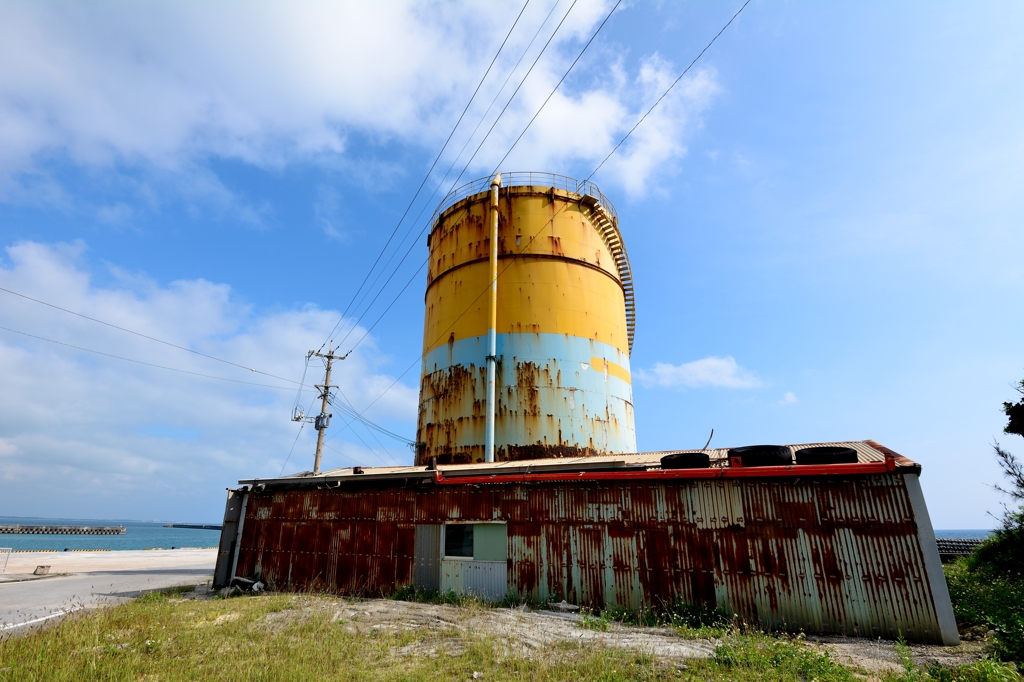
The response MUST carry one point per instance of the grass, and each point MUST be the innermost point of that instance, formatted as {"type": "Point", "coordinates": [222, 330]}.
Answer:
{"type": "Point", "coordinates": [771, 659]}
{"type": "Point", "coordinates": [689, 620]}
{"type": "Point", "coordinates": [158, 637]}
{"type": "Point", "coordinates": [298, 637]}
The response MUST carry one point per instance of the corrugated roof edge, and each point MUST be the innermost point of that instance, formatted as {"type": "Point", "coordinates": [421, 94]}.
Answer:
{"type": "Point", "coordinates": [872, 456]}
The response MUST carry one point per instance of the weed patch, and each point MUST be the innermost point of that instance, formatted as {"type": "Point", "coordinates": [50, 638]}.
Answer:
{"type": "Point", "coordinates": [768, 658]}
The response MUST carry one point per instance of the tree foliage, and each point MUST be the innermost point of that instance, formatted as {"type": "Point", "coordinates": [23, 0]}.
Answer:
{"type": "Point", "coordinates": [989, 585]}
{"type": "Point", "coordinates": [1015, 414]}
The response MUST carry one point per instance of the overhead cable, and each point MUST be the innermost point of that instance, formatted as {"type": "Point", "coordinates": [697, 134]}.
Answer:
{"type": "Point", "coordinates": [669, 89]}
{"type": "Point", "coordinates": [286, 459]}
{"type": "Point", "coordinates": [146, 336]}
{"type": "Point", "coordinates": [148, 364]}
{"type": "Point", "coordinates": [299, 433]}
{"type": "Point", "coordinates": [431, 170]}
{"type": "Point", "coordinates": [479, 146]}
{"type": "Point", "coordinates": [553, 91]}
{"type": "Point", "coordinates": [346, 407]}
{"type": "Point", "coordinates": [456, 158]}
{"type": "Point", "coordinates": [496, 96]}
{"type": "Point", "coordinates": [365, 444]}
{"type": "Point", "coordinates": [452, 324]}
{"type": "Point", "coordinates": [658, 101]}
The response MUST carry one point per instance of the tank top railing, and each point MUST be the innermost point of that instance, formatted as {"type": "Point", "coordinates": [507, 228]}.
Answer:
{"type": "Point", "coordinates": [524, 179]}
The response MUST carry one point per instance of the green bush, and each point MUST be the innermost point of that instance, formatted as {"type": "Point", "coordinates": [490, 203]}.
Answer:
{"type": "Point", "coordinates": [993, 598]}
{"type": "Point", "coordinates": [987, 588]}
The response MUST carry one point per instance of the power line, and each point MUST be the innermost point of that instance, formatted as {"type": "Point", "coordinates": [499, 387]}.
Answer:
{"type": "Point", "coordinates": [365, 444]}
{"type": "Point", "coordinates": [431, 170]}
{"type": "Point", "coordinates": [301, 426]}
{"type": "Point", "coordinates": [342, 454]}
{"type": "Point", "coordinates": [496, 96]}
{"type": "Point", "coordinates": [346, 407]}
{"type": "Point", "coordinates": [518, 87]}
{"type": "Point", "coordinates": [348, 410]}
{"type": "Point", "coordinates": [140, 362]}
{"type": "Point", "coordinates": [455, 160]}
{"type": "Point", "coordinates": [664, 94]}
{"type": "Point", "coordinates": [477, 150]}
{"type": "Point", "coordinates": [658, 101]}
{"type": "Point", "coordinates": [299, 391]}
{"type": "Point", "coordinates": [564, 76]}
{"type": "Point", "coordinates": [145, 336]}
{"type": "Point", "coordinates": [506, 155]}
{"type": "Point", "coordinates": [541, 108]}
{"type": "Point", "coordinates": [466, 310]}
{"type": "Point", "coordinates": [363, 420]}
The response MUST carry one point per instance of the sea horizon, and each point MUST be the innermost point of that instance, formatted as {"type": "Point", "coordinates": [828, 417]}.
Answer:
{"type": "Point", "coordinates": [153, 535]}
{"type": "Point", "coordinates": [138, 535]}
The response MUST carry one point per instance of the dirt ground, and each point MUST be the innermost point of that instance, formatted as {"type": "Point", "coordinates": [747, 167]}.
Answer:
{"type": "Point", "coordinates": [527, 631]}
{"type": "Point", "coordinates": [879, 655]}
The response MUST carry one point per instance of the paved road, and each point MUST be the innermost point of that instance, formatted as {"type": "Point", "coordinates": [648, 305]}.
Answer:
{"type": "Point", "coordinates": [93, 579]}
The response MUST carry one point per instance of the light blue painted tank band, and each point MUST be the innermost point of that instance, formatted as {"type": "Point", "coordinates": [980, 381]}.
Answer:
{"type": "Point", "coordinates": [567, 358]}
{"type": "Point", "coordinates": [548, 392]}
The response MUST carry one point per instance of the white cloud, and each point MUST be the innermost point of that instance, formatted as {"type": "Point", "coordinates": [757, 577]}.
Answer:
{"type": "Point", "coordinates": [114, 215]}
{"type": "Point", "coordinates": [132, 437]}
{"type": "Point", "coordinates": [167, 85]}
{"type": "Point", "coordinates": [720, 372]}
{"type": "Point", "coordinates": [326, 212]}
{"type": "Point", "coordinates": [7, 448]}
{"type": "Point", "coordinates": [788, 398]}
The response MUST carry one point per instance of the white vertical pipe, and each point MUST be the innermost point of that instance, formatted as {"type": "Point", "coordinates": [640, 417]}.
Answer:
{"type": "Point", "coordinates": [492, 331]}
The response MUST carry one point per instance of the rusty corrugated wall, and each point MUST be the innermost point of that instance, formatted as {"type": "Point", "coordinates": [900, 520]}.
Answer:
{"type": "Point", "coordinates": [840, 554]}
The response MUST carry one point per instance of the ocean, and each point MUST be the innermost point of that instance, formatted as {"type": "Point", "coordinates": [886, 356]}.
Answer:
{"type": "Point", "coordinates": [962, 533]}
{"type": "Point", "coordinates": [146, 535]}
{"type": "Point", "coordinates": [137, 535]}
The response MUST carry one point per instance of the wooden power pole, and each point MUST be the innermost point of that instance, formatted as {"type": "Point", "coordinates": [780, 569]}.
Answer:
{"type": "Point", "coordinates": [324, 418]}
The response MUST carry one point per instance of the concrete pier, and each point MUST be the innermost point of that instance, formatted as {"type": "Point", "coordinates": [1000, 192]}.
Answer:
{"type": "Point", "coordinates": [61, 530]}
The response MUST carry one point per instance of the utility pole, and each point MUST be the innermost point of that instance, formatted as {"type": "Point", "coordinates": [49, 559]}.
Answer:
{"type": "Point", "coordinates": [323, 419]}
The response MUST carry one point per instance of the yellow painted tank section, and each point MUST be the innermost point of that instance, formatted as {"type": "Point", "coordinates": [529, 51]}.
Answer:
{"type": "Point", "coordinates": [533, 296]}
{"type": "Point", "coordinates": [556, 273]}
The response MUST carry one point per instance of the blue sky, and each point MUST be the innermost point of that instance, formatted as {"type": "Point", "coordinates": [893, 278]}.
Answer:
{"type": "Point", "coordinates": [824, 223]}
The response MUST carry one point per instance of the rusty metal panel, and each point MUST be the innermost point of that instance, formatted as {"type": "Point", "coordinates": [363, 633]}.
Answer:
{"type": "Point", "coordinates": [838, 554]}
{"type": "Point", "coordinates": [487, 580]}
{"type": "Point", "coordinates": [427, 562]}
{"type": "Point", "coordinates": [228, 538]}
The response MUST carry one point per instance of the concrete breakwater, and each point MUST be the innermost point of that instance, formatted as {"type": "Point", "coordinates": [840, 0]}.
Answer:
{"type": "Point", "coordinates": [194, 526]}
{"type": "Point", "coordinates": [61, 530]}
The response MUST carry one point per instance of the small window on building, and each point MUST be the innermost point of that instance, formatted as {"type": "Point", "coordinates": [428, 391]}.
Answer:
{"type": "Point", "coordinates": [458, 540]}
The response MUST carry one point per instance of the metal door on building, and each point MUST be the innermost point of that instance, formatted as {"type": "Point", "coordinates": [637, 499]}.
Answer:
{"type": "Point", "coordinates": [464, 558]}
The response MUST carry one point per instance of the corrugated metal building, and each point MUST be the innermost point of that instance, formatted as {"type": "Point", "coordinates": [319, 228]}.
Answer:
{"type": "Point", "coordinates": [839, 548]}
{"type": "Point", "coordinates": [521, 485]}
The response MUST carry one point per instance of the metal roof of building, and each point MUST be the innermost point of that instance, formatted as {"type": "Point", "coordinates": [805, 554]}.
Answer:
{"type": "Point", "coordinates": [868, 452]}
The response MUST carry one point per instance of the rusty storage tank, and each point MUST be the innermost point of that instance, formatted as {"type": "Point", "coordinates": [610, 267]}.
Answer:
{"type": "Point", "coordinates": [560, 323]}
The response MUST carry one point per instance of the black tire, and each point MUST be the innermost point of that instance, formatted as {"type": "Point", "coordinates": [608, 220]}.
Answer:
{"type": "Point", "coordinates": [686, 460]}
{"type": "Point", "coordinates": [763, 455]}
{"type": "Point", "coordinates": [826, 454]}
